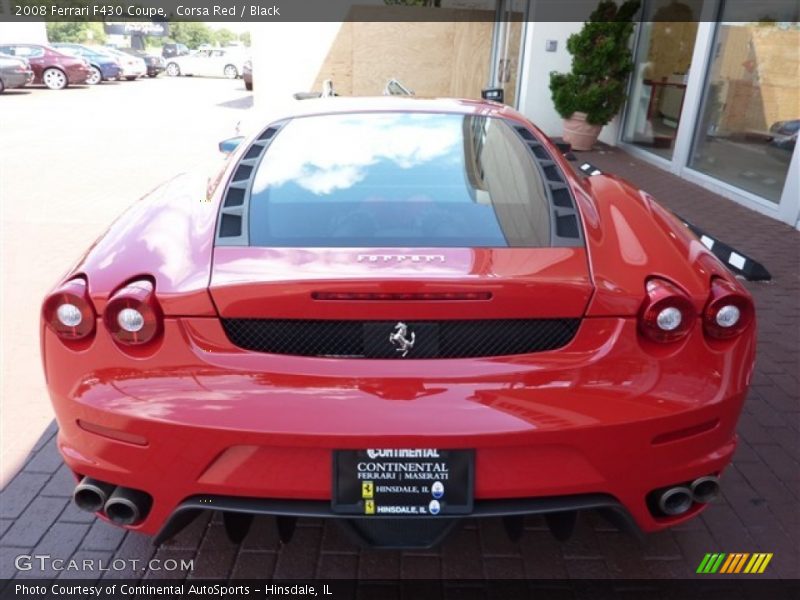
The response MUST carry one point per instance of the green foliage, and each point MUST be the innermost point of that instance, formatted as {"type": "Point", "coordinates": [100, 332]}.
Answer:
{"type": "Point", "coordinates": [76, 32]}
{"type": "Point", "coordinates": [244, 37]}
{"type": "Point", "coordinates": [224, 36]}
{"type": "Point", "coordinates": [601, 64]}
{"type": "Point", "coordinates": [191, 33]}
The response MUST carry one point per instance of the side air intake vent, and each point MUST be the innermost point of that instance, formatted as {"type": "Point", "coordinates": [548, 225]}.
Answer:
{"type": "Point", "coordinates": [565, 229]}
{"type": "Point", "coordinates": [231, 229]}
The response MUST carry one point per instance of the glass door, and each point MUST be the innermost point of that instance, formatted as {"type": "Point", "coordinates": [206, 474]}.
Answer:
{"type": "Point", "coordinates": [665, 44]}
{"type": "Point", "coordinates": [750, 115]}
{"type": "Point", "coordinates": [506, 49]}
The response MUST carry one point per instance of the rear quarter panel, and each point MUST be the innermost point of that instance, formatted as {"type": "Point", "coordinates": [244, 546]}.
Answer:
{"type": "Point", "coordinates": [630, 237]}
{"type": "Point", "coordinates": [168, 235]}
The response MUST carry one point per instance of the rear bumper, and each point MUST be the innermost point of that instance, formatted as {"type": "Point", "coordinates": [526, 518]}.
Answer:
{"type": "Point", "coordinates": [377, 531]}
{"type": "Point", "coordinates": [16, 80]}
{"type": "Point", "coordinates": [109, 71]}
{"type": "Point", "coordinates": [604, 415]}
{"type": "Point", "coordinates": [77, 75]}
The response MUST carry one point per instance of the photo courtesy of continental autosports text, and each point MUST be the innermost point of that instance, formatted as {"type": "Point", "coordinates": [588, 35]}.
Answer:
{"type": "Point", "coordinates": [426, 299]}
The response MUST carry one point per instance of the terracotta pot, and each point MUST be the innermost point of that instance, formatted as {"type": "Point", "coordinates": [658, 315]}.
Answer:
{"type": "Point", "coordinates": [579, 133]}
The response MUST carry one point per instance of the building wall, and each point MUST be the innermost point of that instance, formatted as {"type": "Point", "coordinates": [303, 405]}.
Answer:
{"type": "Point", "coordinates": [34, 33]}
{"type": "Point", "coordinates": [447, 58]}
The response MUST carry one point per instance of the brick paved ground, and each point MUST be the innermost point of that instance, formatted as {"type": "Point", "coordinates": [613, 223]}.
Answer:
{"type": "Point", "coordinates": [758, 510]}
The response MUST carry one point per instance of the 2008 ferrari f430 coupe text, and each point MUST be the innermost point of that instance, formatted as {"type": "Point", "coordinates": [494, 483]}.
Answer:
{"type": "Point", "coordinates": [397, 313]}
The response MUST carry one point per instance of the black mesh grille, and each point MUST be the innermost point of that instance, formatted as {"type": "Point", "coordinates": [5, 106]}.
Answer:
{"type": "Point", "coordinates": [370, 339]}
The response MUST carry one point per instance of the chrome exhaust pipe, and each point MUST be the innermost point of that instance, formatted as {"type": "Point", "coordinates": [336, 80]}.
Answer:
{"type": "Point", "coordinates": [675, 500]}
{"type": "Point", "coordinates": [705, 489]}
{"type": "Point", "coordinates": [127, 506]}
{"type": "Point", "coordinates": [91, 494]}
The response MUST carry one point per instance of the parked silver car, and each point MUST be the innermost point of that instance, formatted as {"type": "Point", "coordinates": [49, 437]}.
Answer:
{"type": "Point", "coordinates": [14, 73]}
{"type": "Point", "coordinates": [214, 62]}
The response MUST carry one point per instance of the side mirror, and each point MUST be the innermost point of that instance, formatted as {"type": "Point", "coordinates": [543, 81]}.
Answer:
{"type": "Point", "coordinates": [231, 144]}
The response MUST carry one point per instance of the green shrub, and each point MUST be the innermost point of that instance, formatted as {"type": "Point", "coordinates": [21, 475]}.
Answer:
{"type": "Point", "coordinates": [601, 63]}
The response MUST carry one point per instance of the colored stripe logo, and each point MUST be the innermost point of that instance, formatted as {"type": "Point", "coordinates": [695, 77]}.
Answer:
{"type": "Point", "coordinates": [734, 563]}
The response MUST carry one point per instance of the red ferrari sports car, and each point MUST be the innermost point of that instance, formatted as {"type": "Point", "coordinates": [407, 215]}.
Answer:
{"type": "Point", "coordinates": [397, 313]}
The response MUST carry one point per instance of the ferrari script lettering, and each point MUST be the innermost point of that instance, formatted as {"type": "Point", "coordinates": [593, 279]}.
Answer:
{"type": "Point", "coordinates": [412, 258]}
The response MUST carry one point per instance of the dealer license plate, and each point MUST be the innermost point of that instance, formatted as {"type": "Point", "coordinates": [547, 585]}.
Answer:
{"type": "Point", "coordinates": [403, 482]}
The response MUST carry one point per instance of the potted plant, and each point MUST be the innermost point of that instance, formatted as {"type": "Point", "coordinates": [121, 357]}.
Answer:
{"type": "Point", "coordinates": [591, 94]}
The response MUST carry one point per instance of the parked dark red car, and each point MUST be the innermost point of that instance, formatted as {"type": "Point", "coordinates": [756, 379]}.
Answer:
{"type": "Point", "coordinates": [50, 67]}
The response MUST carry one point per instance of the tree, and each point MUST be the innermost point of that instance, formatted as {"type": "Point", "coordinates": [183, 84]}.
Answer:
{"type": "Point", "coordinates": [193, 34]}
{"type": "Point", "coordinates": [224, 36]}
{"type": "Point", "coordinates": [75, 32]}
{"type": "Point", "coordinates": [244, 37]}
{"type": "Point", "coordinates": [601, 64]}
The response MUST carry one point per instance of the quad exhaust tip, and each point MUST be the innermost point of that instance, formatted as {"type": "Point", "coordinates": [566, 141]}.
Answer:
{"type": "Point", "coordinates": [678, 499]}
{"type": "Point", "coordinates": [123, 506]}
{"type": "Point", "coordinates": [675, 500]}
{"type": "Point", "coordinates": [127, 506]}
{"type": "Point", "coordinates": [91, 494]}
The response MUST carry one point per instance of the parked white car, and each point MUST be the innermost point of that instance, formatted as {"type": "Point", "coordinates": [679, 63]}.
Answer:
{"type": "Point", "coordinates": [217, 62]}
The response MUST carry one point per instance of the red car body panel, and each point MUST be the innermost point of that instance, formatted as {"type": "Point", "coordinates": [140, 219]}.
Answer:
{"type": "Point", "coordinates": [611, 412]}
{"type": "Point", "coordinates": [523, 283]}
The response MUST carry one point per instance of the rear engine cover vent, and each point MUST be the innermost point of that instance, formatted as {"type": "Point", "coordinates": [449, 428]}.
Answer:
{"type": "Point", "coordinates": [231, 230]}
{"type": "Point", "coordinates": [566, 230]}
{"type": "Point", "coordinates": [371, 339]}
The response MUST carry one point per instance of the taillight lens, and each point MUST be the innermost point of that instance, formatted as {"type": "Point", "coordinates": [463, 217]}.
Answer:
{"type": "Point", "coordinates": [69, 312]}
{"type": "Point", "coordinates": [728, 312]}
{"type": "Point", "coordinates": [133, 315]}
{"type": "Point", "coordinates": [667, 314]}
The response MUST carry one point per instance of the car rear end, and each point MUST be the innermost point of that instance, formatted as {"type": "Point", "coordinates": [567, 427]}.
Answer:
{"type": "Point", "coordinates": [16, 72]}
{"type": "Point", "coordinates": [155, 65]}
{"type": "Point", "coordinates": [76, 68]}
{"type": "Point", "coordinates": [400, 328]}
{"type": "Point", "coordinates": [109, 66]}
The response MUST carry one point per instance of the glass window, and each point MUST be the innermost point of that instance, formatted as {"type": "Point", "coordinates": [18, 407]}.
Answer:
{"type": "Point", "coordinates": [661, 71]}
{"type": "Point", "coordinates": [751, 106]}
{"type": "Point", "coordinates": [398, 180]}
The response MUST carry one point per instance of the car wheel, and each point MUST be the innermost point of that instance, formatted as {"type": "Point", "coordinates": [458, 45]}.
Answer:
{"type": "Point", "coordinates": [54, 79]}
{"type": "Point", "coordinates": [173, 70]}
{"type": "Point", "coordinates": [248, 85]}
{"type": "Point", "coordinates": [152, 75]}
{"type": "Point", "coordinates": [95, 76]}
{"type": "Point", "coordinates": [131, 77]}
{"type": "Point", "coordinates": [231, 72]}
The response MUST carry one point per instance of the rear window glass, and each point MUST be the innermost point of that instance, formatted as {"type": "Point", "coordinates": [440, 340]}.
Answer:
{"type": "Point", "coordinates": [398, 180]}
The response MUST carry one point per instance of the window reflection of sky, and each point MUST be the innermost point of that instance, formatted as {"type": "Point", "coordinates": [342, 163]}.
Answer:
{"type": "Point", "coordinates": [323, 155]}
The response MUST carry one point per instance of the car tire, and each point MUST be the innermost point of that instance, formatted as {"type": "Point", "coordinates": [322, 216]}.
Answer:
{"type": "Point", "coordinates": [2, 86]}
{"type": "Point", "coordinates": [173, 70]}
{"type": "Point", "coordinates": [152, 75]}
{"type": "Point", "coordinates": [131, 77]}
{"type": "Point", "coordinates": [55, 79]}
{"type": "Point", "coordinates": [95, 77]}
{"type": "Point", "coordinates": [230, 71]}
{"type": "Point", "coordinates": [248, 86]}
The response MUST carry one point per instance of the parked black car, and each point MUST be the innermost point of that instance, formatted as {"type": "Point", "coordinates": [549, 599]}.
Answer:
{"type": "Point", "coordinates": [155, 64]}
{"type": "Point", "coordinates": [247, 75]}
{"type": "Point", "coordinates": [170, 50]}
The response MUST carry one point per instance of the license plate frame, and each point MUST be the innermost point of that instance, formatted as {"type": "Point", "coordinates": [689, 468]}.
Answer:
{"type": "Point", "coordinates": [403, 492]}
